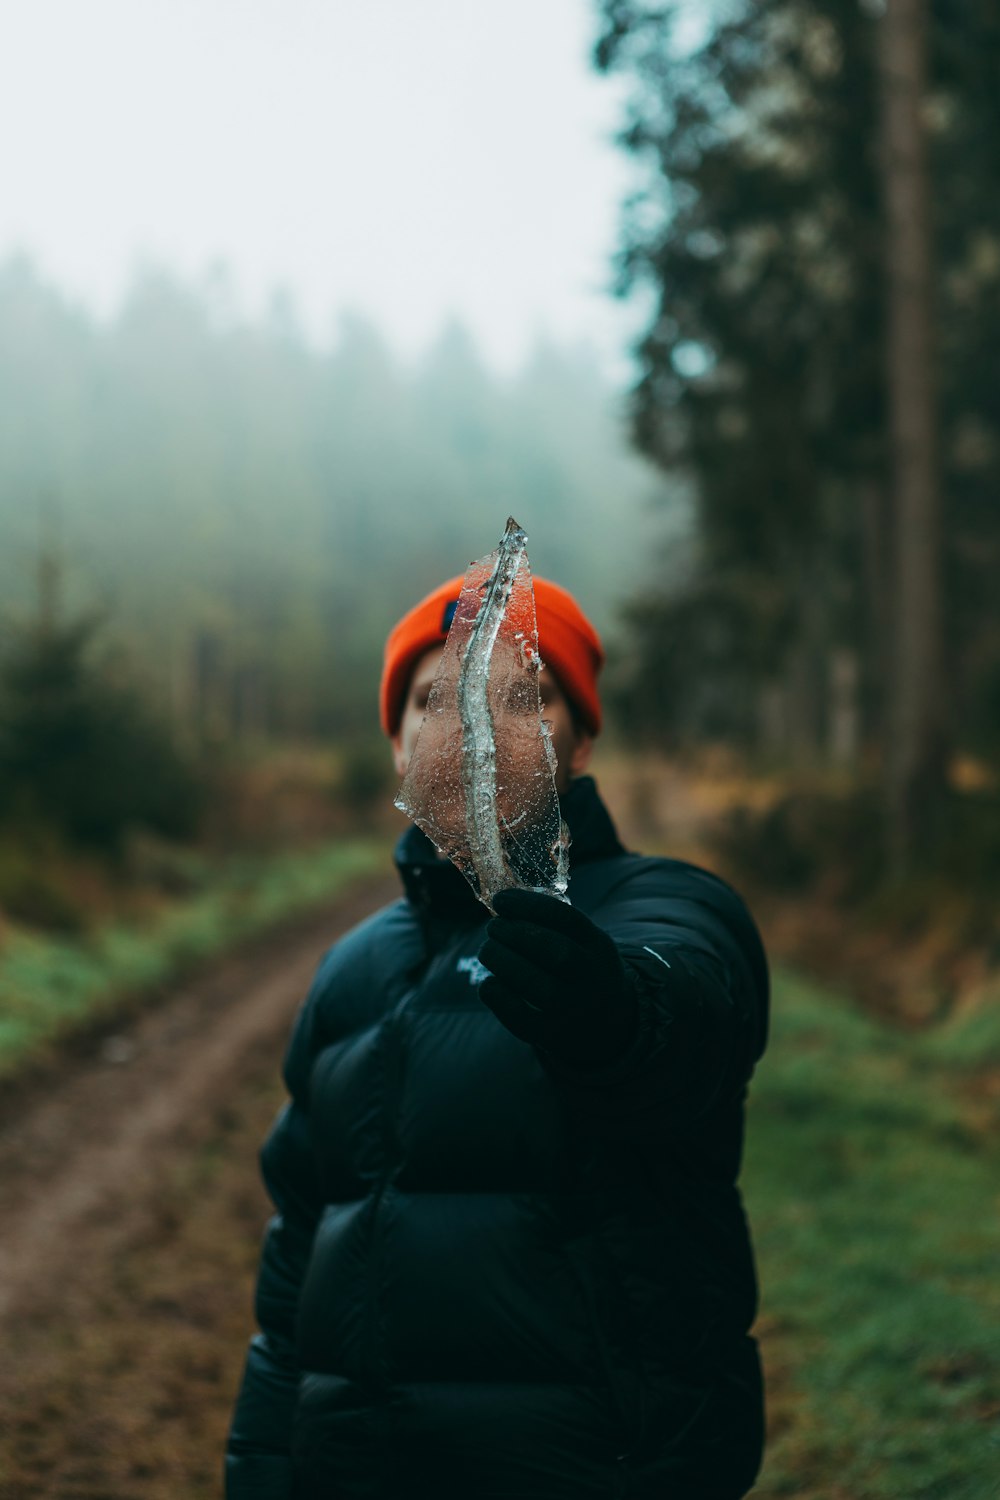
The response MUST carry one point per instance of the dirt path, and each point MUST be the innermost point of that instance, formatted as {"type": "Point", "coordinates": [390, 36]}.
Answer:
{"type": "Point", "coordinates": [130, 1219]}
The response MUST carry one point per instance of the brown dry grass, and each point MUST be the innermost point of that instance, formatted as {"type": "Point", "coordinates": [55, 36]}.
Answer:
{"type": "Point", "coordinates": [912, 957]}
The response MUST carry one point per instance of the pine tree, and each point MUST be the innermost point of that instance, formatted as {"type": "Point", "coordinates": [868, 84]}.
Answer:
{"type": "Point", "coordinates": [765, 234]}
{"type": "Point", "coordinates": [761, 377]}
{"type": "Point", "coordinates": [915, 754]}
{"type": "Point", "coordinates": [80, 754]}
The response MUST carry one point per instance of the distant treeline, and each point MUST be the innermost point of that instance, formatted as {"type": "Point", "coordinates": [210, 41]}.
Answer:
{"type": "Point", "coordinates": [253, 513]}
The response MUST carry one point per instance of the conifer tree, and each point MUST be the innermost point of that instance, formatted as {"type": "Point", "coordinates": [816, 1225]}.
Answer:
{"type": "Point", "coordinates": [765, 234]}
{"type": "Point", "coordinates": [80, 753]}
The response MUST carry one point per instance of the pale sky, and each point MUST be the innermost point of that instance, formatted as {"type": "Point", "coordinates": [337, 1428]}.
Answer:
{"type": "Point", "coordinates": [413, 160]}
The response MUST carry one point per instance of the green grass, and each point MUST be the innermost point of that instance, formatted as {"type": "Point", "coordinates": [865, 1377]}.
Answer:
{"type": "Point", "coordinates": [51, 986]}
{"type": "Point", "coordinates": [873, 1190]}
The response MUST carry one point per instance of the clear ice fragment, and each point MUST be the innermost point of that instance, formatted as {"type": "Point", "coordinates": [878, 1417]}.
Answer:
{"type": "Point", "coordinates": [481, 779]}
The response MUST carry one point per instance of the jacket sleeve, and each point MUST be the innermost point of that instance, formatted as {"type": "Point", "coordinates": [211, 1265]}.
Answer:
{"type": "Point", "coordinates": [700, 980]}
{"type": "Point", "coordinates": [258, 1458]}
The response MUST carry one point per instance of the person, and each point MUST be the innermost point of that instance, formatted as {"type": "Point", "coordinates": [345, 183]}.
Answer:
{"type": "Point", "coordinates": [509, 1257]}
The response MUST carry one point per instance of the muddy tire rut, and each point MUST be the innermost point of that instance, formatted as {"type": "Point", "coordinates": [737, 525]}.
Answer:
{"type": "Point", "coordinates": [130, 1220]}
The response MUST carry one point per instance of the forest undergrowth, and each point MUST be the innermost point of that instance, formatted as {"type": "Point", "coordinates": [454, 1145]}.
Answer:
{"type": "Point", "coordinates": [88, 936]}
{"type": "Point", "coordinates": [805, 850]}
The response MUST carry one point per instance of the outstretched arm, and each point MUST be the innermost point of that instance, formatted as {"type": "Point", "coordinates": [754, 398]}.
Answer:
{"type": "Point", "coordinates": [652, 1018]}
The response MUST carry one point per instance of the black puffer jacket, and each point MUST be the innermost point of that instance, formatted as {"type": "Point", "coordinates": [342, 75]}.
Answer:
{"type": "Point", "coordinates": [492, 1276]}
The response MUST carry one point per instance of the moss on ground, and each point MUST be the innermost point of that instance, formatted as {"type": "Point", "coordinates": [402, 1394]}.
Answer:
{"type": "Point", "coordinates": [871, 1181]}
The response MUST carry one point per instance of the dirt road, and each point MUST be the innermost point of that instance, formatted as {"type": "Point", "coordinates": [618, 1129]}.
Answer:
{"type": "Point", "coordinates": [130, 1222]}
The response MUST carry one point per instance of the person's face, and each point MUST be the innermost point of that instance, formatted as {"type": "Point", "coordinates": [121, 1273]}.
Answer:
{"type": "Point", "coordinates": [405, 738]}
{"type": "Point", "coordinates": [572, 746]}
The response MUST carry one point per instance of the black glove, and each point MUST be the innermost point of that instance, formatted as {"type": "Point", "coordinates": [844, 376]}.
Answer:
{"type": "Point", "coordinates": [556, 980]}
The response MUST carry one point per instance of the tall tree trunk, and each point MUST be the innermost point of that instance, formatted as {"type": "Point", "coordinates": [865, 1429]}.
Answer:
{"type": "Point", "coordinates": [878, 614]}
{"type": "Point", "coordinates": [915, 759]}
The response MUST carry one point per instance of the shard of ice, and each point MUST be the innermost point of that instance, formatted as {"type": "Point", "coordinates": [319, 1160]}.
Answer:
{"type": "Point", "coordinates": [481, 779]}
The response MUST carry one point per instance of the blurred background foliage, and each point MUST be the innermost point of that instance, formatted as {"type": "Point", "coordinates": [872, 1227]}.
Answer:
{"type": "Point", "coordinates": [207, 526]}
{"type": "Point", "coordinates": [252, 513]}
{"type": "Point", "coordinates": [208, 523]}
{"type": "Point", "coordinates": [812, 616]}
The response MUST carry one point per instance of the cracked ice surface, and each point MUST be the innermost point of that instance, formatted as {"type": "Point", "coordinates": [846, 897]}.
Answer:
{"type": "Point", "coordinates": [481, 780]}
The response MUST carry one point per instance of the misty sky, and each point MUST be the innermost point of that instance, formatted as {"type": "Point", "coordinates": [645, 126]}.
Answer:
{"type": "Point", "coordinates": [412, 159]}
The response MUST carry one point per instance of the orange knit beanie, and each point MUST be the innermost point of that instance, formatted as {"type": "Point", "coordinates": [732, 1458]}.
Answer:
{"type": "Point", "coordinates": [568, 643]}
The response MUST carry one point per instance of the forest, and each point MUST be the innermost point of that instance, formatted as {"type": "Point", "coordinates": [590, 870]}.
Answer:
{"type": "Point", "coordinates": [785, 522]}
{"type": "Point", "coordinates": [798, 560]}
{"type": "Point", "coordinates": [816, 226]}
{"type": "Point", "coordinates": [247, 511]}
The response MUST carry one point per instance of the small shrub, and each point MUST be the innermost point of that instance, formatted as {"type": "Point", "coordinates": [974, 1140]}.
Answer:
{"type": "Point", "coordinates": [365, 776]}
{"type": "Point", "coordinates": [809, 837]}
{"type": "Point", "coordinates": [80, 752]}
{"type": "Point", "coordinates": [33, 893]}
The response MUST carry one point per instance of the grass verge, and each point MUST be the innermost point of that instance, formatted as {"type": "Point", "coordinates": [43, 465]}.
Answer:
{"type": "Point", "coordinates": [52, 986]}
{"type": "Point", "coordinates": [871, 1182]}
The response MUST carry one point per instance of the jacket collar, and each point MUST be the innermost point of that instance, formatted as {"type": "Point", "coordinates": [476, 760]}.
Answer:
{"type": "Point", "coordinates": [434, 886]}
{"type": "Point", "coordinates": [592, 832]}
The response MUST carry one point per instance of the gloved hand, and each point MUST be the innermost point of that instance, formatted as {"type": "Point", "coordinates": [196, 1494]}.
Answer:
{"type": "Point", "coordinates": [556, 980]}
